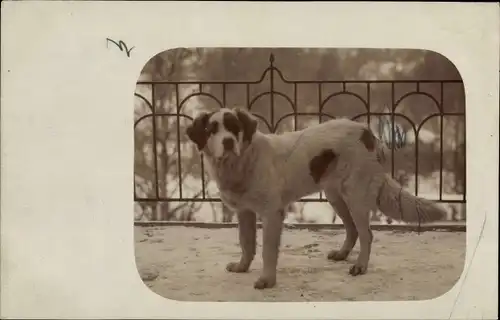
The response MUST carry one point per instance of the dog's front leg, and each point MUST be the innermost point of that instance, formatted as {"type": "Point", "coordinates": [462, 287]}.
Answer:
{"type": "Point", "coordinates": [247, 227]}
{"type": "Point", "coordinates": [272, 224]}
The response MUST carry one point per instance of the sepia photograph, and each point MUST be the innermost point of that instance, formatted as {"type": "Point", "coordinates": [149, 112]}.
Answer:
{"type": "Point", "coordinates": [299, 174]}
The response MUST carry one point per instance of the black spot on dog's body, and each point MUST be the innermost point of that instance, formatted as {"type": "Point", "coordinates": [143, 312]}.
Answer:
{"type": "Point", "coordinates": [231, 123]}
{"type": "Point", "coordinates": [368, 139]}
{"type": "Point", "coordinates": [319, 164]}
{"type": "Point", "coordinates": [370, 142]}
{"type": "Point", "coordinates": [212, 128]}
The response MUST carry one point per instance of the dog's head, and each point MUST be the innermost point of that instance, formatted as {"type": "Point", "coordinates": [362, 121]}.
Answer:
{"type": "Point", "coordinates": [224, 132]}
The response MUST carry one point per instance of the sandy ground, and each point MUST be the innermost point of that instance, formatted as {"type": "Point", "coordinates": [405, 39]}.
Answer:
{"type": "Point", "coordinates": [186, 263]}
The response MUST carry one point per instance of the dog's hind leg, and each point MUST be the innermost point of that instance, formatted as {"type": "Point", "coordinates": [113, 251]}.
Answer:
{"type": "Point", "coordinates": [247, 227]}
{"type": "Point", "coordinates": [351, 237]}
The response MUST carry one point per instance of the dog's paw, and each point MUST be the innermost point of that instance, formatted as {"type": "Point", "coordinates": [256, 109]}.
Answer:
{"type": "Point", "coordinates": [337, 255]}
{"type": "Point", "coordinates": [236, 267]}
{"type": "Point", "coordinates": [264, 282]}
{"type": "Point", "coordinates": [357, 269]}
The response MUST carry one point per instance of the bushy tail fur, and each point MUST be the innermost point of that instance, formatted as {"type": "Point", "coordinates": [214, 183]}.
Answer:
{"type": "Point", "coordinates": [399, 204]}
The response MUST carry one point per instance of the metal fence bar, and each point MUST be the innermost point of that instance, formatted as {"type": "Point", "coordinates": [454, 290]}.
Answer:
{"type": "Point", "coordinates": [295, 118]}
{"type": "Point", "coordinates": [441, 127]}
{"type": "Point", "coordinates": [155, 151]}
{"type": "Point", "coordinates": [179, 160]}
{"type": "Point", "coordinates": [393, 107]}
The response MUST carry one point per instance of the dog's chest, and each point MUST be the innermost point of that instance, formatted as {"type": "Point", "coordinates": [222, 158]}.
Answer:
{"type": "Point", "coordinates": [232, 187]}
{"type": "Point", "coordinates": [234, 193]}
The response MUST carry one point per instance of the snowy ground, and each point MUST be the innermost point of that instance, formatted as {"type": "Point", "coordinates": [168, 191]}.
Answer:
{"type": "Point", "coordinates": [186, 263]}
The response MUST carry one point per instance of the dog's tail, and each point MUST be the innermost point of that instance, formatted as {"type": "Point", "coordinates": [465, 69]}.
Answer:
{"type": "Point", "coordinates": [399, 204]}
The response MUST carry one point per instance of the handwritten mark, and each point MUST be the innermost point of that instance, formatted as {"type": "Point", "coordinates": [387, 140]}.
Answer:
{"type": "Point", "coordinates": [386, 134]}
{"type": "Point", "coordinates": [121, 45]}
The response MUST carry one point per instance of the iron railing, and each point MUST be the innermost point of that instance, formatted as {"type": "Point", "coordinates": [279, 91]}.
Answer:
{"type": "Point", "coordinates": [272, 122]}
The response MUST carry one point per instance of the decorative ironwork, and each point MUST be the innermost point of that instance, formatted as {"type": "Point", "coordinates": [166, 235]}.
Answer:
{"type": "Point", "coordinates": [272, 123]}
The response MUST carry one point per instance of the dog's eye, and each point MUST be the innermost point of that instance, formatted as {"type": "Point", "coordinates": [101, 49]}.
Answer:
{"type": "Point", "coordinates": [211, 128]}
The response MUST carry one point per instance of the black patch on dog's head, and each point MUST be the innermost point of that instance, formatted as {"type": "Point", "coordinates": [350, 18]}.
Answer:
{"type": "Point", "coordinates": [368, 139]}
{"type": "Point", "coordinates": [200, 129]}
{"type": "Point", "coordinates": [319, 164]}
{"type": "Point", "coordinates": [212, 128]}
{"type": "Point", "coordinates": [248, 123]}
{"type": "Point", "coordinates": [232, 124]}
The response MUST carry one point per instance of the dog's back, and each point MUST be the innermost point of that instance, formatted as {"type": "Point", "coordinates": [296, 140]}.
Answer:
{"type": "Point", "coordinates": [335, 134]}
{"type": "Point", "coordinates": [303, 158]}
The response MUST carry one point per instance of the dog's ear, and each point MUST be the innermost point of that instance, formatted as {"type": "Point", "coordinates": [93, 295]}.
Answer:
{"type": "Point", "coordinates": [197, 131]}
{"type": "Point", "coordinates": [248, 122]}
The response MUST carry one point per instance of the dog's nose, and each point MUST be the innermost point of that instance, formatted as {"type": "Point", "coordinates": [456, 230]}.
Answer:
{"type": "Point", "coordinates": [228, 144]}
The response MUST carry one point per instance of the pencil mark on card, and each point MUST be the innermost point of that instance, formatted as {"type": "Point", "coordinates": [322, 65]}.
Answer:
{"type": "Point", "coordinates": [121, 45]}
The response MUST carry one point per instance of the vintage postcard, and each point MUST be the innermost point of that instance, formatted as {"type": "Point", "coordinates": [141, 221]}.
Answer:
{"type": "Point", "coordinates": [250, 160]}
